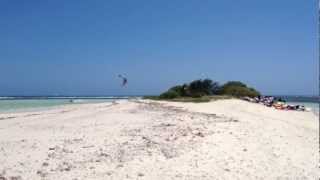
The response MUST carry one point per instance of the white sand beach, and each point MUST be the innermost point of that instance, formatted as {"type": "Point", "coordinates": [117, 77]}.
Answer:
{"type": "Point", "coordinates": [144, 139]}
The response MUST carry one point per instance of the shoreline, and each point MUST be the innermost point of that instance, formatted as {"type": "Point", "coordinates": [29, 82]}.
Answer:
{"type": "Point", "coordinates": [52, 107]}
{"type": "Point", "coordinates": [83, 100]}
{"type": "Point", "coordinates": [145, 139]}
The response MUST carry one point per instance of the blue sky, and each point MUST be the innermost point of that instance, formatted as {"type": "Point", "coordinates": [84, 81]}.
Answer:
{"type": "Point", "coordinates": [78, 47]}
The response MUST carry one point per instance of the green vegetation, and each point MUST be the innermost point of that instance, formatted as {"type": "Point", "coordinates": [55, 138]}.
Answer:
{"type": "Point", "coordinates": [199, 88]}
{"type": "Point", "coordinates": [170, 94]}
{"type": "Point", "coordinates": [190, 99]}
{"type": "Point", "coordinates": [238, 89]}
{"type": "Point", "coordinates": [205, 91]}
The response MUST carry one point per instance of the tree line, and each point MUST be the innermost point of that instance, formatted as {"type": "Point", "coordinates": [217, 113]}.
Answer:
{"type": "Point", "coordinates": [208, 87]}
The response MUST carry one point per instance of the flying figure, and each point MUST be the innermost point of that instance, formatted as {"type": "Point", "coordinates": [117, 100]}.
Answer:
{"type": "Point", "coordinates": [124, 80]}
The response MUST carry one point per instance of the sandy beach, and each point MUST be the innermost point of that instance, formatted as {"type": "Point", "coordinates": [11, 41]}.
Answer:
{"type": "Point", "coordinates": [144, 139]}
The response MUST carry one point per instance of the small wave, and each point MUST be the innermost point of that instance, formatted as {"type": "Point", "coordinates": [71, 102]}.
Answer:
{"type": "Point", "coordinates": [62, 97]}
{"type": "Point", "coordinates": [6, 97]}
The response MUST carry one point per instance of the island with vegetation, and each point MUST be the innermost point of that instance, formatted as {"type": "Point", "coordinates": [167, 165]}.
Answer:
{"type": "Point", "coordinates": [204, 90]}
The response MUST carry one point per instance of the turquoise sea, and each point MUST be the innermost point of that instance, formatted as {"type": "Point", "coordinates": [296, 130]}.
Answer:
{"type": "Point", "coordinates": [314, 106]}
{"type": "Point", "coordinates": [22, 104]}
{"type": "Point", "coordinates": [307, 101]}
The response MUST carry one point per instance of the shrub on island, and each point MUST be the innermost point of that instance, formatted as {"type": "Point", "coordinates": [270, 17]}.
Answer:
{"type": "Point", "coordinates": [197, 88]}
{"type": "Point", "coordinates": [169, 95]}
{"type": "Point", "coordinates": [207, 87]}
{"type": "Point", "coordinates": [238, 89]}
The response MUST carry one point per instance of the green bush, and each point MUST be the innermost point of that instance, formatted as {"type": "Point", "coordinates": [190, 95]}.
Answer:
{"type": "Point", "coordinates": [234, 83]}
{"type": "Point", "coordinates": [199, 88]}
{"type": "Point", "coordinates": [180, 90]}
{"type": "Point", "coordinates": [169, 95]}
{"type": "Point", "coordinates": [238, 89]}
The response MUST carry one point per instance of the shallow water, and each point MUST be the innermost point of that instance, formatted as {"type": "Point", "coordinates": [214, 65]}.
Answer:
{"type": "Point", "coordinates": [311, 102]}
{"type": "Point", "coordinates": [21, 105]}
{"type": "Point", "coordinates": [314, 106]}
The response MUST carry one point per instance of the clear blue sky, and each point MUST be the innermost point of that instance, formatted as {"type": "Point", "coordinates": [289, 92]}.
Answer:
{"type": "Point", "coordinates": [78, 47]}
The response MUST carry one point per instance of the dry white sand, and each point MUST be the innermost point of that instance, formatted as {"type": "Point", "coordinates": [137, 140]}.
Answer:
{"type": "Point", "coordinates": [226, 139]}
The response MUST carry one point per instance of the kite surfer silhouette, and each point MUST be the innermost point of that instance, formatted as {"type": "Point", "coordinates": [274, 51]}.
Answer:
{"type": "Point", "coordinates": [124, 80]}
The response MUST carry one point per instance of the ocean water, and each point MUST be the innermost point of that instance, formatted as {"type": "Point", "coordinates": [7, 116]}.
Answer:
{"type": "Point", "coordinates": [311, 102]}
{"type": "Point", "coordinates": [22, 104]}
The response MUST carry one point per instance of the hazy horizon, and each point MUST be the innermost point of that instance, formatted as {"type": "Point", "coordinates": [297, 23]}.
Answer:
{"type": "Point", "coordinates": [79, 47]}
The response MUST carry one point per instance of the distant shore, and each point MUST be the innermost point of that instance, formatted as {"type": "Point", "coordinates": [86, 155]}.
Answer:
{"type": "Point", "coordinates": [144, 139]}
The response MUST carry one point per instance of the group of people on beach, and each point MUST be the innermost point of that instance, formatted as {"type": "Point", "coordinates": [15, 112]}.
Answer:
{"type": "Point", "coordinates": [277, 103]}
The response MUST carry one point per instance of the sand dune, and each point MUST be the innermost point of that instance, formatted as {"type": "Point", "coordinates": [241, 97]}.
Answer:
{"type": "Point", "coordinates": [141, 139]}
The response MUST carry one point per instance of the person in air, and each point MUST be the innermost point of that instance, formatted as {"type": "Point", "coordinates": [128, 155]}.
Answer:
{"type": "Point", "coordinates": [124, 80]}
